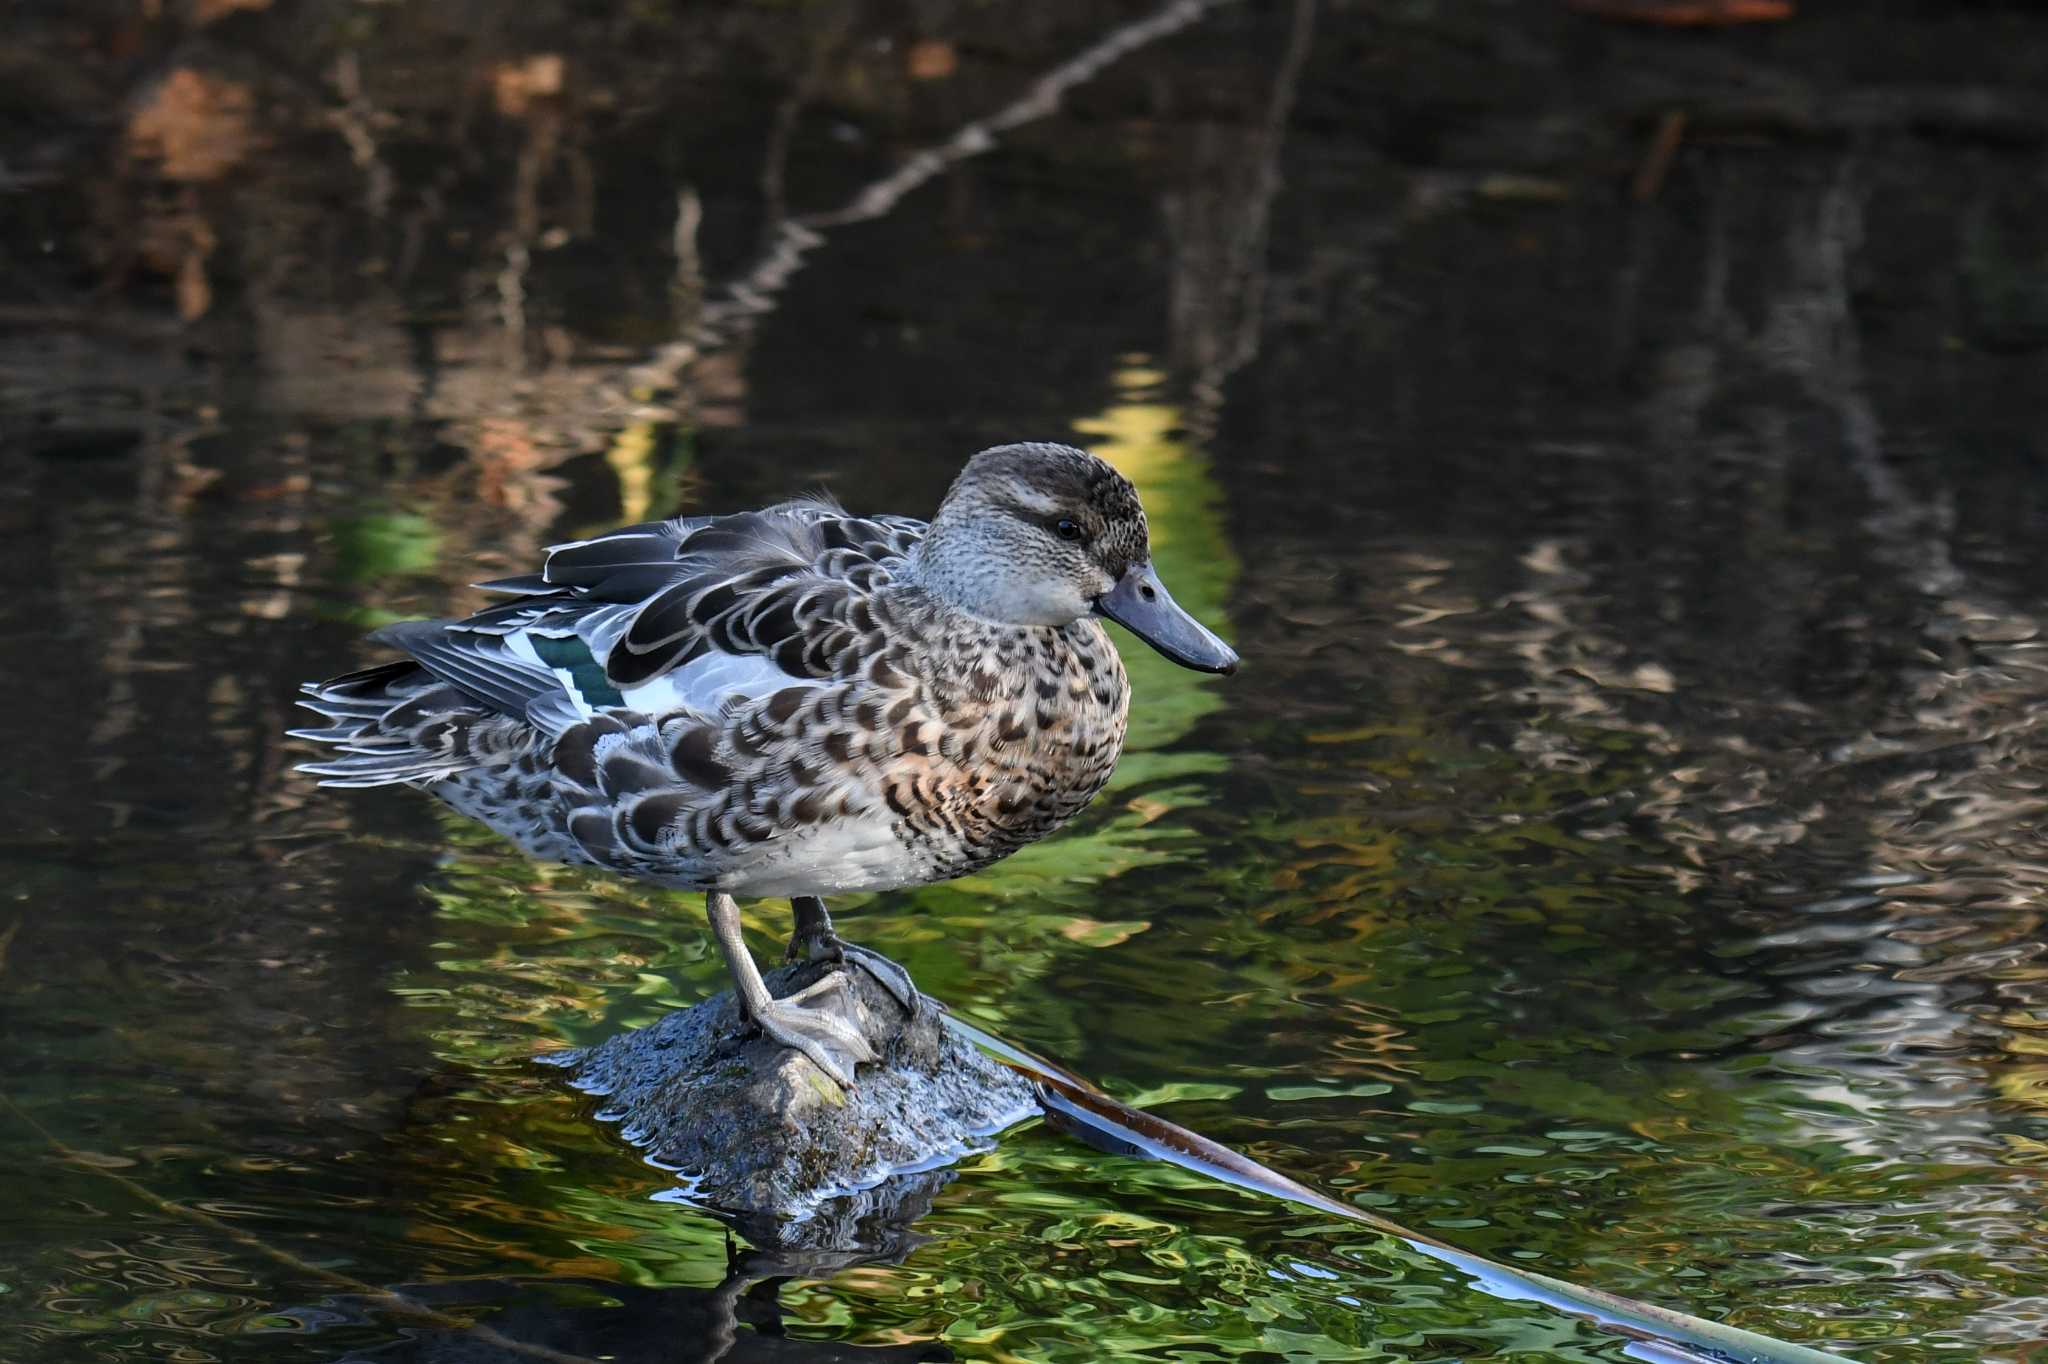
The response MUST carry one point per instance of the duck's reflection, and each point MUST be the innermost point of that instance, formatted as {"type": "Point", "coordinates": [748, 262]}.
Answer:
{"type": "Point", "coordinates": [570, 1320]}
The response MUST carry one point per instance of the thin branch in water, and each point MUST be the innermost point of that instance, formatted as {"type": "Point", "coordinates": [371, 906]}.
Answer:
{"type": "Point", "coordinates": [1075, 1106]}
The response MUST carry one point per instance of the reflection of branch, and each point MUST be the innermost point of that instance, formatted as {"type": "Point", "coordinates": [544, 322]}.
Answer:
{"type": "Point", "coordinates": [511, 283]}
{"type": "Point", "coordinates": [1252, 246]}
{"type": "Point", "coordinates": [1218, 306]}
{"type": "Point", "coordinates": [1817, 326]}
{"type": "Point", "coordinates": [1945, 815]}
{"type": "Point", "coordinates": [686, 285]}
{"type": "Point", "coordinates": [351, 119]}
{"type": "Point", "coordinates": [753, 294]}
{"type": "Point", "coordinates": [825, 42]}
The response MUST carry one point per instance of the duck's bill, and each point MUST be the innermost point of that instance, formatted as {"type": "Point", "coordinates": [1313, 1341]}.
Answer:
{"type": "Point", "coordinates": [1140, 603]}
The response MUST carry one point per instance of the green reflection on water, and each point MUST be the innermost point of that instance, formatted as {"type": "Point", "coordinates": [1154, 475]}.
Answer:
{"type": "Point", "coordinates": [1346, 967]}
{"type": "Point", "coordinates": [386, 544]}
{"type": "Point", "coordinates": [1388, 966]}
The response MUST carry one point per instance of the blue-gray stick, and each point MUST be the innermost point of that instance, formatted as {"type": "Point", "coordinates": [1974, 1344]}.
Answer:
{"type": "Point", "coordinates": [1659, 1334]}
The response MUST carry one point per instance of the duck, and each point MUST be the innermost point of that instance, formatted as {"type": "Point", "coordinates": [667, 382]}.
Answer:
{"type": "Point", "coordinates": [790, 702]}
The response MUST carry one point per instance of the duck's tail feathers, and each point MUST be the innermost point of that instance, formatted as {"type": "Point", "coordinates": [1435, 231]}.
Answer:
{"type": "Point", "coordinates": [398, 723]}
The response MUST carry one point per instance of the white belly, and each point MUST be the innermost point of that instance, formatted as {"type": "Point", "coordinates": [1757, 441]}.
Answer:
{"type": "Point", "coordinates": [855, 853]}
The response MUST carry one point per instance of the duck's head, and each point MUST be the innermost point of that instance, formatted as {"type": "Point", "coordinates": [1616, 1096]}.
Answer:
{"type": "Point", "coordinates": [1039, 534]}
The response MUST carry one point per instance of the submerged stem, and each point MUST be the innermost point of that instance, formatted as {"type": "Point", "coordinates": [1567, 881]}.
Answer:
{"type": "Point", "coordinates": [1074, 1105]}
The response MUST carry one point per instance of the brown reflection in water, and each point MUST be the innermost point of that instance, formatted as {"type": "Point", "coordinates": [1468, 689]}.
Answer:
{"type": "Point", "coordinates": [367, 325]}
{"type": "Point", "coordinates": [1876, 849]}
{"type": "Point", "coordinates": [428, 283]}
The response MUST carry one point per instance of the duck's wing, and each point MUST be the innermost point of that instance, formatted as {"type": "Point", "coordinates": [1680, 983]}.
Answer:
{"type": "Point", "coordinates": [689, 613]}
{"type": "Point", "coordinates": [785, 585]}
{"type": "Point", "coordinates": [778, 583]}
{"type": "Point", "coordinates": [399, 722]}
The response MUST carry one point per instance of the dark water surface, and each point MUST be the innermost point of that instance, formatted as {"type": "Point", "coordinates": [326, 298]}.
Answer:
{"type": "Point", "coordinates": [1621, 852]}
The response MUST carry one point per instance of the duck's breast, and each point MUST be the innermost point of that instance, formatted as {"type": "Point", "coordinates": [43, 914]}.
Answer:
{"type": "Point", "coordinates": [1025, 726]}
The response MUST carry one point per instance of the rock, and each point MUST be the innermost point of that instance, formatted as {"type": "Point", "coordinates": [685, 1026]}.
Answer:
{"type": "Point", "coordinates": [758, 1132]}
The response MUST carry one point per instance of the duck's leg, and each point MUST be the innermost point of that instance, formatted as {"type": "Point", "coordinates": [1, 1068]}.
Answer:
{"type": "Point", "coordinates": [814, 940]}
{"type": "Point", "coordinates": [812, 1021]}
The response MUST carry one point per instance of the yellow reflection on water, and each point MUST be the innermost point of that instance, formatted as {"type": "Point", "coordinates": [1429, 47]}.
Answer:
{"type": "Point", "coordinates": [1146, 439]}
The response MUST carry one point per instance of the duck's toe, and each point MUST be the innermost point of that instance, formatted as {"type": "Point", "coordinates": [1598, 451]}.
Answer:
{"type": "Point", "coordinates": [887, 974]}
{"type": "Point", "coordinates": [821, 1021]}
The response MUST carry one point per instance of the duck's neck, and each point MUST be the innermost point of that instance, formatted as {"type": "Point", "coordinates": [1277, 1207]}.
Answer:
{"type": "Point", "coordinates": [965, 572]}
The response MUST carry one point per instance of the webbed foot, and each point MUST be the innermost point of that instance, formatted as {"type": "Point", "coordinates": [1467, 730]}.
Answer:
{"type": "Point", "coordinates": [820, 1021]}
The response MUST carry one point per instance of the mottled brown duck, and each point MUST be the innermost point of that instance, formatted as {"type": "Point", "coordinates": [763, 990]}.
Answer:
{"type": "Point", "coordinates": [793, 701]}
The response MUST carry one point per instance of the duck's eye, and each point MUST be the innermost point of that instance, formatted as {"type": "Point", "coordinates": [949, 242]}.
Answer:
{"type": "Point", "coordinates": [1066, 529]}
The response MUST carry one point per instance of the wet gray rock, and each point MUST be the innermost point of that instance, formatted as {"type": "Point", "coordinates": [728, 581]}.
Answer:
{"type": "Point", "coordinates": [757, 1131]}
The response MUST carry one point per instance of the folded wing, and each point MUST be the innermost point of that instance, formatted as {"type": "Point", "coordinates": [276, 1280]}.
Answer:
{"type": "Point", "coordinates": [690, 614]}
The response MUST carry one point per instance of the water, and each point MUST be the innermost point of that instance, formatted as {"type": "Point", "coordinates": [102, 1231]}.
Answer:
{"type": "Point", "coordinates": [1620, 854]}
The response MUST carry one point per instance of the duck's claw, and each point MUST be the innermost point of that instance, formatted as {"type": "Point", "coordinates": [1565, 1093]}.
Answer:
{"type": "Point", "coordinates": [816, 1021]}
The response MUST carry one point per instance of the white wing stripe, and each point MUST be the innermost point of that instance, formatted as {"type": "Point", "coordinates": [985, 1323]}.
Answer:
{"type": "Point", "coordinates": [705, 684]}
